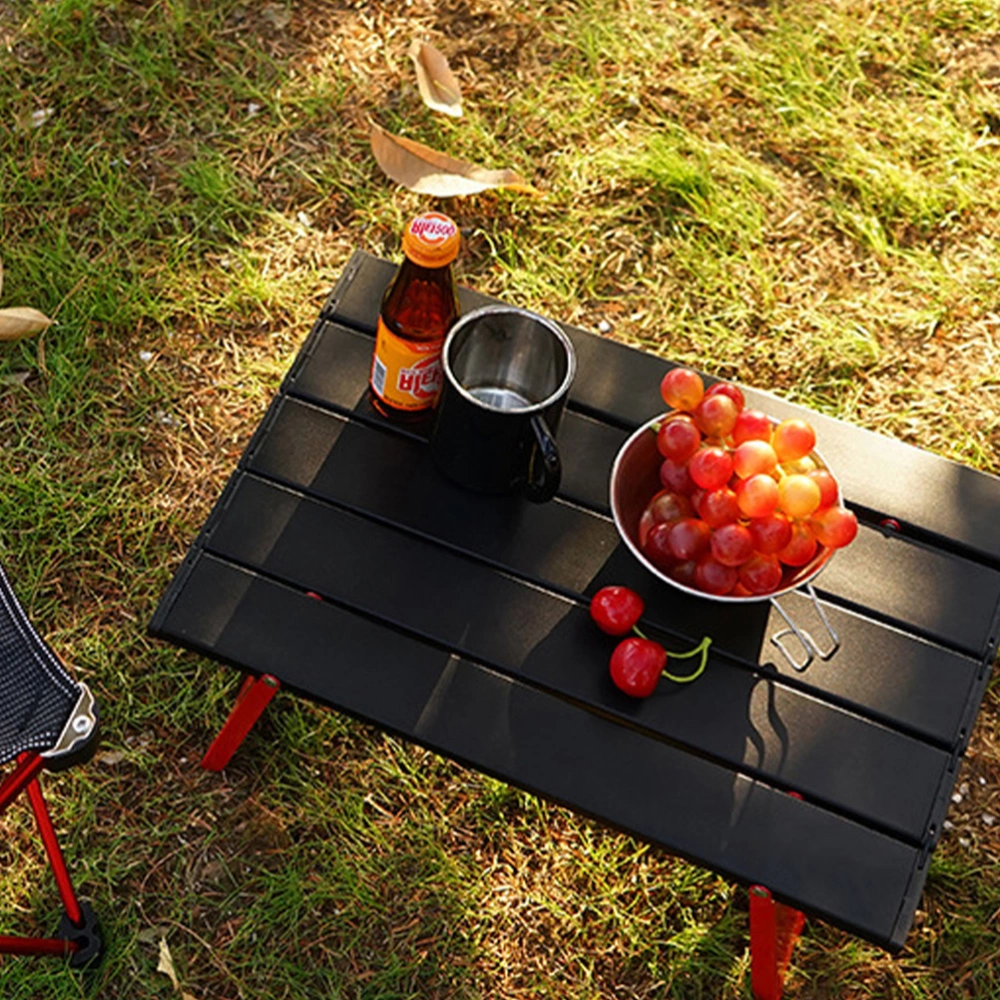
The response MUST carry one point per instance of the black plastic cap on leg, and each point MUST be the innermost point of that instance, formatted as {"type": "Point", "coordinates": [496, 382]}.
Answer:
{"type": "Point", "coordinates": [87, 936]}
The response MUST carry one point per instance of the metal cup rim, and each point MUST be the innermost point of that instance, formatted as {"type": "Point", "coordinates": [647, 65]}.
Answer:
{"type": "Point", "coordinates": [474, 316]}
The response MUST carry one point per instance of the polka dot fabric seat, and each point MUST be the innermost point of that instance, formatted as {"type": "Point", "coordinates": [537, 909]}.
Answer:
{"type": "Point", "coordinates": [37, 696]}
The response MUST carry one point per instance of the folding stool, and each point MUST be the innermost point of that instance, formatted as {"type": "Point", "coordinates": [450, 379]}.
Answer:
{"type": "Point", "coordinates": [48, 721]}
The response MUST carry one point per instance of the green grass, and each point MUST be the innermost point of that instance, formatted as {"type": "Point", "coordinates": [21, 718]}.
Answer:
{"type": "Point", "coordinates": [799, 196]}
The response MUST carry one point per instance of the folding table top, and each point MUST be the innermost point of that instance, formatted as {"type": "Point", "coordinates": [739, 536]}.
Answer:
{"type": "Point", "coordinates": [460, 622]}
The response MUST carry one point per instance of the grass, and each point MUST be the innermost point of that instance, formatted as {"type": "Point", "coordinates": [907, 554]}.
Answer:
{"type": "Point", "coordinates": [800, 196]}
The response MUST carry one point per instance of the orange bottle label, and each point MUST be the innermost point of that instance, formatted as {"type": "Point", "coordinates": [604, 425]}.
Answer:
{"type": "Point", "coordinates": [406, 374]}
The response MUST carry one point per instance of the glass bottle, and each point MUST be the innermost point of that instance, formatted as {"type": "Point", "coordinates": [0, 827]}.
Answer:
{"type": "Point", "coordinates": [418, 309]}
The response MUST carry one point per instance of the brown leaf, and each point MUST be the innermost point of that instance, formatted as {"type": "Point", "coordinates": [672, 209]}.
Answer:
{"type": "Point", "coordinates": [439, 88]}
{"type": "Point", "coordinates": [1, 275]}
{"type": "Point", "coordinates": [22, 321]}
{"type": "Point", "coordinates": [166, 964]}
{"type": "Point", "coordinates": [426, 171]}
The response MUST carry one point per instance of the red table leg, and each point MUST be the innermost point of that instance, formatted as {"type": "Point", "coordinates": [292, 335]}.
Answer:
{"type": "Point", "coordinates": [253, 698]}
{"type": "Point", "coordinates": [774, 929]}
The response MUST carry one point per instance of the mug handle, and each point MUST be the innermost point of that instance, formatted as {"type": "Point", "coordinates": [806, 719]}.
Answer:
{"type": "Point", "coordinates": [544, 466]}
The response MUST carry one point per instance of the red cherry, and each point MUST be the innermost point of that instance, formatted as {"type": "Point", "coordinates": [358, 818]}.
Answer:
{"type": "Point", "coordinates": [636, 665]}
{"type": "Point", "coordinates": [616, 609]}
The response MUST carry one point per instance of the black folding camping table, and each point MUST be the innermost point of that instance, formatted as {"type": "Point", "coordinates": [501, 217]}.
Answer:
{"type": "Point", "coordinates": [460, 622]}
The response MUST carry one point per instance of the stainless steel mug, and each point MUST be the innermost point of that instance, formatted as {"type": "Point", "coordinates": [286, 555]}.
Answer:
{"type": "Point", "coordinates": [507, 375]}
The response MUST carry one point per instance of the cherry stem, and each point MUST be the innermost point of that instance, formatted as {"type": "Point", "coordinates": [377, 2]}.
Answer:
{"type": "Point", "coordinates": [701, 648]}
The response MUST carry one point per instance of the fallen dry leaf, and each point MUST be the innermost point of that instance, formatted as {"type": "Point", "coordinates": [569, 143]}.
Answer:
{"type": "Point", "coordinates": [426, 171]}
{"type": "Point", "coordinates": [166, 965]}
{"type": "Point", "coordinates": [439, 87]}
{"type": "Point", "coordinates": [22, 321]}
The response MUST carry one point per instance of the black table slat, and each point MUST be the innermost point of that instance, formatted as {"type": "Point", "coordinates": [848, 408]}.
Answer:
{"type": "Point", "coordinates": [948, 598]}
{"type": "Point", "coordinates": [742, 718]}
{"type": "Point", "coordinates": [621, 385]}
{"type": "Point", "coordinates": [569, 548]}
{"type": "Point", "coordinates": [832, 867]}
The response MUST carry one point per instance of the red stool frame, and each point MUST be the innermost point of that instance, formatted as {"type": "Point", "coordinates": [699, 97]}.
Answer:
{"type": "Point", "coordinates": [78, 935]}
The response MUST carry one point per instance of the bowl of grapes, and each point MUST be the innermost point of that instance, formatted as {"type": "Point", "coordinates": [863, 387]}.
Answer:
{"type": "Point", "coordinates": [727, 503]}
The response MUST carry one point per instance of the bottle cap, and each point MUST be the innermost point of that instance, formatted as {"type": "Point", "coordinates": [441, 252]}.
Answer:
{"type": "Point", "coordinates": [431, 240]}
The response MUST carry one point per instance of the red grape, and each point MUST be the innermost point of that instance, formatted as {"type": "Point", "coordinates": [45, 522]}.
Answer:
{"type": "Point", "coordinates": [734, 392]}
{"type": "Point", "coordinates": [718, 507]}
{"type": "Point", "coordinates": [675, 477]}
{"type": "Point", "coordinates": [758, 496]}
{"type": "Point", "coordinates": [678, 438]}
{"type": "Point", "coordinates": [761, 574]}
{"type": "Point", "coordinates": [682, 389]}
{"type": "Point", "coordinates": [771, 533]}
{"type": "Point", "coordinates": [732, 544]}
{"type": "Point", "coordinates": [716, 415]}
{"type": "Point", "coordinates": [801, 548]}
{"type": "Point", "coordinates": [835, 527]}
{"type": "Point", "coordinates": [714, 578]}
{"type": "Point", "coordinates": [828, 491]}
{"type": "Point", "coordinates": [711, 467]}
{"type": "Point", "coordinates": [752, 457]}
{"type": "Point", "coordinates": [751, 425]}
{"type": "Point", "coordinates": [689, 538]}
{"type": "Point", "coordinates": [793, 439]}
{"type": "Point", "coordinates": [669, 507]}
{"type": "Point", "coordinates": [798, 495]}
{"type": "Point", "coordinates": [664, 507]}
{"type": "Point", "coordinates": [657, 546]}
{"type": "Point", "coordinates": [683, 572]}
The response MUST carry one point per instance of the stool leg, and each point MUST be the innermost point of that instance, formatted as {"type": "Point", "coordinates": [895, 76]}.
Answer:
{"type": "Point", "coordinates": [35, 946]}
{"type": "Point", "coordinates": [29, 766]}
{"type": "Point", "coordinates": [56, 859]}
{"type": "Point", "coordinates": [250, 703]}
{"type": "Point", "coordinates": [774, 929]}
{"type": "Point", "coordinates": [25, 775]}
